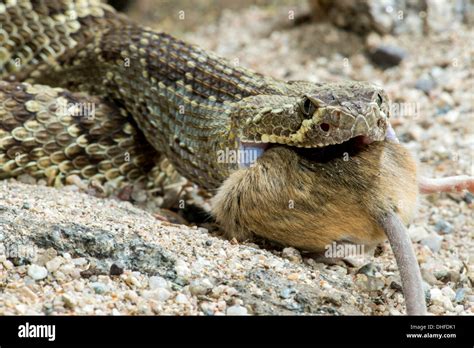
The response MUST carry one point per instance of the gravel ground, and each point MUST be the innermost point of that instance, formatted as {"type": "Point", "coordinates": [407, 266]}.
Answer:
{"type": "Point", "coordinates": [76, 254]}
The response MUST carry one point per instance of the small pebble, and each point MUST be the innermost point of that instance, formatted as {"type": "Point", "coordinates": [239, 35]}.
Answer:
{"type": "Point", "coordinates": [181, 298]}
{"type": "Point", "coordinates": [443, 227]}
{"type": "Point", "coordinates": [200, 286]}
{"type": "Point", "coordinates": [159, 294]}
{"type": "Point", "coordinates": [387, 56]}
{"type": "Point", "coordinates": [438, 298]}
{"type": "Point", "coordinates": [37, 272]}
{"type": "Point", "coordinates": [451, 117]}
{"type": "Point", "coordinates": [80, 261]}
{"type": "Point", "coordinates": [460, 295]}
{"type": "Point", "coordinates": [132, 281]}
{"type": "Point", "coordinates": [67, 268]}
{"type": "Point", "coordinates": [116, 269]}
{"type": "Point", "coordinates": [99, 288]}
{"type": "Point", "coordinates": [425, 84]}
{"type": "Point", "coordinates": [156, 282]}
{"type": "Point", "coordinates": [236, 310]}
{"type": "Point", "coordinates": [26, 291]}
{"type": "Point", "coordinates": [448, 276]}
{"type": "Point", "coordinates": [427, 291]}
{"type": "Point", "coordinates": [470, 298]}
{"type": "Point", "coordinates": [69, 301]}
{"type": "Point", "coordinates": [468, 198]}
{"type": "Point", "coordinates": [433, 241]}
{"type": "Point", "coordinates": [366, 283]}
{"type": "Point", "coordinates": [203, 230]}
{"type": "Point", "coordinates": [447, 291]}
{"type": "Point", "coordinates": [287, 293]}
{"type": "Point", "coordinates": [395, 286]}
{"type": "Point", "coordinates": [369, 270]}
{"type": "Point", "coordinates": [182, 269]}
{"type": "Point", "coordinates": [333, 297]}
{"type": "Point", "coordinates": [54, 264]}
{"type": "Point", "coordinates": [417, 233]}
{"type": "Point", "coordinates": [445, 101]}
{"type": "Point", "coordinates": [207, 308]}
{"type": "Point", "coordinates": [436, 309]}
{"type": "Point", "coordinates": [292, 254]}
{"type": "Point", "coordinates": [131, 295]}
{"type": "Point", "coordinates": [8, 264]}
{"type": "Point", "coordinates": [293, 276]}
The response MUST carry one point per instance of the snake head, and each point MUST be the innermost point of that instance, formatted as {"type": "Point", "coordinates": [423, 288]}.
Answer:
{"type": "Point", "coordinates": [315, 115]}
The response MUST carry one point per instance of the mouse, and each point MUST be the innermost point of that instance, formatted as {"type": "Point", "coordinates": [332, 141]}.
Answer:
{"type": "Point", "coordinates": [354, 193]}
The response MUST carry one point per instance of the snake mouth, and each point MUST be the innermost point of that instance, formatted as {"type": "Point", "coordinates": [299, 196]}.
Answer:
{"type": "Point", "coordinates": [323, 154]}
{"type": "Point", "coordinates": [346, 149]}
{"type": "Point", "coordinates": [326, 153]}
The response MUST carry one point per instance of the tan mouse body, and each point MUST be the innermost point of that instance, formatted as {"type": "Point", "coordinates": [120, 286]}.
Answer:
{"type": "Point", "coordinates": [310, 204]}
{"type": "Point", "coordinates": [349, 193]}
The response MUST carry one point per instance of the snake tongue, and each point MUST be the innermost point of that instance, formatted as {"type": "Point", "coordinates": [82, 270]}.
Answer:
{"type": "Point", "coordinates": [391, 136]}
{"type": "Point", "coordinates": [250, 152]}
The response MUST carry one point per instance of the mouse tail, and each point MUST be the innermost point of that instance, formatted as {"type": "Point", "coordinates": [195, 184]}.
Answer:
{"type": "Point", "coordinates": [407, 264]}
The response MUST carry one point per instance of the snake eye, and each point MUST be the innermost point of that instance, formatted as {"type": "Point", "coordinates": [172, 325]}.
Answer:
{"type": "Point", "coordinates": [307, 107]}
{"type": "Point", "coordinates": [379, 100]}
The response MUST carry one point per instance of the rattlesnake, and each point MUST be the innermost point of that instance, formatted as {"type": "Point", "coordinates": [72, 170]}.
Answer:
{"type": "Point", "coordinates": [151, 94]}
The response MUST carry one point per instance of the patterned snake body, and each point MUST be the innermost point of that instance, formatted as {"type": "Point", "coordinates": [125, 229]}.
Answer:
{"type": "Point", "coordinates": [188, 104]}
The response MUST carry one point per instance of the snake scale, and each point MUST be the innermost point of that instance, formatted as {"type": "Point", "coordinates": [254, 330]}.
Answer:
{"type": "Point", "coordinates": [87, 92]}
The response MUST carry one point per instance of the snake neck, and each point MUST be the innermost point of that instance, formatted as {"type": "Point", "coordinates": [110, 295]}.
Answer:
{"type": "Point", "coordinates": [183, 99]}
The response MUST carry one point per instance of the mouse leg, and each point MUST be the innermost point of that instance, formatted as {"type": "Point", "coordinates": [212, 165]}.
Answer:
{"type": "Point", "coordinates": [407, 264]}
{"type": "Point", "coordinates": [448, 184]}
